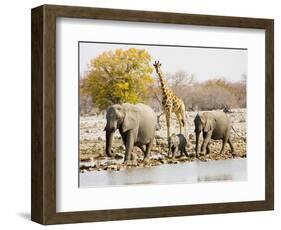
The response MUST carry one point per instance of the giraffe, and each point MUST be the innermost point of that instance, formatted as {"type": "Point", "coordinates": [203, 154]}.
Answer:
{"type": "Point", "coordinates": [170, 102]}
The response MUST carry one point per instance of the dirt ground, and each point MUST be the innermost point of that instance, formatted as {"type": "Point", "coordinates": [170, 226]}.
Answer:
{"type": "Point", "coordinates": [92, 144]}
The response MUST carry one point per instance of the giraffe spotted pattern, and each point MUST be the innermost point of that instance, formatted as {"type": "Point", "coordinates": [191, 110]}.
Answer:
{"type": "Point", "coordinates": [170, 103]}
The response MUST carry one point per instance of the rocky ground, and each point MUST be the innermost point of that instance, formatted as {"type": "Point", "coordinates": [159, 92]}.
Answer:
{"type": "Point", "coordinates": [92, 144]}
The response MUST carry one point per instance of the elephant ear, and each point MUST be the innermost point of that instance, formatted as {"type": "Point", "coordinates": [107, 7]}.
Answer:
{"type": "Point", "coordinates": [131, 120]}
{"type": "Point", "coordinates": [209, 125]}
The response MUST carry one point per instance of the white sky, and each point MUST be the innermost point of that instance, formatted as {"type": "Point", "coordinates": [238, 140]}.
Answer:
{"type": "Point", "coordinates": [204, 63]}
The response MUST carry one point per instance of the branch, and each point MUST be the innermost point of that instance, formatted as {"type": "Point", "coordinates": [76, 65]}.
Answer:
{"type": "Point", "coordinates": [106, 70]}
{"type": "Point", "coordinates": [128, 69]}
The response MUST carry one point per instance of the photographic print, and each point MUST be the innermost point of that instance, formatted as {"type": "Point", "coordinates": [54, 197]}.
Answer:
{"type": "Point", "coordinates": [161, 114]}
{"type": "Point", "coordinates": [169, 105]}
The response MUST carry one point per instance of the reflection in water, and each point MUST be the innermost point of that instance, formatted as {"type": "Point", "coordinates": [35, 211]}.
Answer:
{"type": "Point", "coordinates": [215, 178]}
{"type": "Point", "coordinates": [192, 172]}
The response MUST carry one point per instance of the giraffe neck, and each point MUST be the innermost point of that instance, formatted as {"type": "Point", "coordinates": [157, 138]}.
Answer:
{"type": "Point", "coordinates": [165, 88]}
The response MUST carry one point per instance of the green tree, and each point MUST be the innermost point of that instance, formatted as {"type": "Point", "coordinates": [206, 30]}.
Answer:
{"type": "Point", "coordinates": [119, 76]}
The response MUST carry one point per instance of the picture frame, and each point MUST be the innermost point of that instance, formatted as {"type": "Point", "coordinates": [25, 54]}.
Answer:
{"type": "Point", "coordinates": [43, 159]}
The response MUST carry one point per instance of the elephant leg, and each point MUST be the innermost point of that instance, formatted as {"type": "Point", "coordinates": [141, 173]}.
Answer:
{"type": "Point", "coordinates": [223, 145]}
{"type": "Point", "coordinates": [207, 137]}
{"type": "Point", "coordinates": [172, 154]}
{"type": "Point", "coordinates": [169, 151]}
{"type": "Point", "coordinates": [133, 156]}
{"type": "Point", "coordinates": [124, 139]}
{"type": "Point", "coordinates": [175, 152]}
{"type": "Point", "coordinates": [129, 146]}
{"type": "Point", "coordinates": [208, 148]}
{"type": "Point", "coordinates": [185, 152]}
{"type": "Point", "coordinates": [204, 137]}
{"type": "Point", "coordinates": [147, 150]}
{"type": "Point", "coordinates": [181, 154]}
{"type": "Point", "coordinates": [231, 145]}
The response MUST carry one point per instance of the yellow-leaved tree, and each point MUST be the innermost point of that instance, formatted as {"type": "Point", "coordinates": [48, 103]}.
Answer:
{"type": "Point", "coordinates": [119, 76]}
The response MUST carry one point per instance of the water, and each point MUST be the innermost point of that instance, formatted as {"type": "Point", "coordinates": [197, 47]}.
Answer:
{"type": "Point", "coordinates": [192, 172]}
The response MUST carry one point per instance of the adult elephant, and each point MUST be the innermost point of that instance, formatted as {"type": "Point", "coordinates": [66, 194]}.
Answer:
{"type": "Point", "coordinates": [214, 125]}
{"type": "Point", "coordinates": [136, 124]}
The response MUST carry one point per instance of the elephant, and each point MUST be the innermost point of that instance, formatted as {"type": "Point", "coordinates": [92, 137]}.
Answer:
{"type": "Point", "coordinates": [177, 143]}
{"type": "Point", "coordinates": [214, 125]}
{"type": "Point", "coordinates": [136, 125]}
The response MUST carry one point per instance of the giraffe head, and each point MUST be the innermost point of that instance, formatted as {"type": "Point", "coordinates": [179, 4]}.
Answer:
{"type": "Point", "coordinates": [157, 66]}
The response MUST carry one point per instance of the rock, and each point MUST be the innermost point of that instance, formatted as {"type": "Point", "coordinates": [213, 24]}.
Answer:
{"type": "Point", "coordinates": [134, 163]}
{"type": "Point", "coordinates": [112, 167]}
{"type": "Point", "coordinates": [202, 159]}
{"type": "Point", "coordinates": [85, 160]}
{"type": "Point", "coordinates": [158, 137]}
{"type": "Point", "coordinates": [192, 154]}
{"type": "Point", "coordinates": [99, 138]}
{"type": "Point", "coordinates": [92, 159]}
{"type": "Point", "coordinates": [118, 156]}
{"type": "Point", "coordinates": [83, 171]}
{"type": "Point", "coordinates": [163, 161]}
{"type": "Point", "coordinates": [158, 163]}
{"type": "Point", "coordinates": [121, 148]}
{"type": "Point", "coordinates": [190, 147]}
{"type": "Point", "coordinates": [102, 157]}
{"type": "Point", "coordinates": [83, 167]}
{"type": "Point", "coordinates": [170, 161]}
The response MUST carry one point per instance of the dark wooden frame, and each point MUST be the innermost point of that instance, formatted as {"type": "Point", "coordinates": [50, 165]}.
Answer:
{"type": "Point", "coordinates": [43, 160]}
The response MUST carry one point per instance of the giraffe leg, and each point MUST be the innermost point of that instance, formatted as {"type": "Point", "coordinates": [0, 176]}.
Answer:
{"type": "Point", "coordinates": [168, 114]}
{"type": "Point", "coordinates": [180, 121]}
{"type": "Point", "coordinates": [183, 118]}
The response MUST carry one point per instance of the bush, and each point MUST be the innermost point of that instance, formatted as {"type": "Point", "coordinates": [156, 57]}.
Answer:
{"type": "Point", "coordinates": [209, 95]}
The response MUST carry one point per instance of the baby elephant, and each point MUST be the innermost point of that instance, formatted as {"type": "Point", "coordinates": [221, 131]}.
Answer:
{"type": "Point", "coordinates": [177, 143]}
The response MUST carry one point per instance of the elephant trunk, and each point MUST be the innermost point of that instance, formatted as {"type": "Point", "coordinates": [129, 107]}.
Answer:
{"type": "Point", "coordinates": [108, 137]}
{"type": "Point", "coordinates": [197, 143]}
